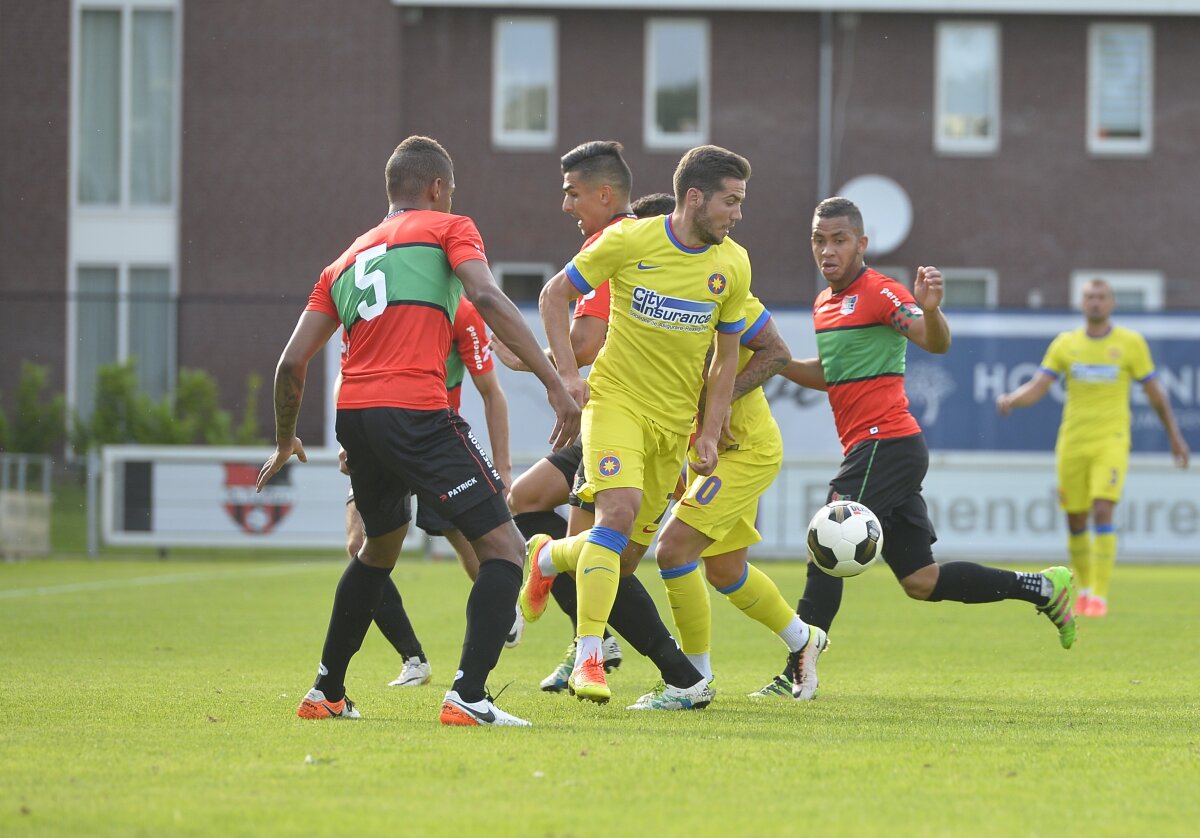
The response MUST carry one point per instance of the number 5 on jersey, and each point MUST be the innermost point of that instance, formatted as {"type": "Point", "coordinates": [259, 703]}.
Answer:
{"type": "Point", "coordinates": [373, 280]}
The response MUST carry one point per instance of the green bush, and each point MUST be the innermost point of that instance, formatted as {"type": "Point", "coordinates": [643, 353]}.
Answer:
{"type": "Point", "coordinates": [124, 415]}
{"type": "Point", "coordinates": [39, 425]}
{"type": "Point", "coordinates": [3, 426]}
{"type": "Point", "coordinates": [247, 432]}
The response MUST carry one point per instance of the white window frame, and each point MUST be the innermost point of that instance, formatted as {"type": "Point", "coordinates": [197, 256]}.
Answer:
{"type": "Point", "coordinates": [989, 277]}
{"type": "Point", "coordinates": [126, 8]}
{"type": "Point", "coordinates": [1119, 145]}
{"type": "Point", "coordinates": [123, 269]}
{"type": "Point", "coordinates": [499, 269]}
{"type": "Point", "coordinates": [967, 145]}
{"type": "Point", "coordinates": [517, 140]}
{"type": "Point", "coordinates": [123, 235]}
{"type": "Point", "coordinates": [1151, 283]}
{"type": "Point", "coordinates": [661, 140]}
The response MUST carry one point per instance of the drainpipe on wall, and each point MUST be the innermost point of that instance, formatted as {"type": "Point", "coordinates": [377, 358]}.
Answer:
{"type": "Point", "coordinates": [824, 117]}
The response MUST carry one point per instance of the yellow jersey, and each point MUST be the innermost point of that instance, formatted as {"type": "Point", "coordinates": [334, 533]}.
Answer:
{"type": "Point", "coordinates": [668, 300]}
{"type": "Point", "coordinates": [751, 422]}
{"type": "Point", "coordinates": [1097, 373]}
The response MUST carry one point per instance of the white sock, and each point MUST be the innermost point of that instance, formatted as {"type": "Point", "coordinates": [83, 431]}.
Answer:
{"type": "Point", "coordinates": [795, 634]}
{"type": "Point", "coordinates": [544, 562]}
{"type": "Point", "coordinates": [587, 646]}
{"type": "Point", "coordinates": [703, 664]}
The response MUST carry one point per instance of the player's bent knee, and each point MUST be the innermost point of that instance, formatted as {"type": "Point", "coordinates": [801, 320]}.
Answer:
{"type": "Point", "coordinates": [920, 584]}
{"type": "Point", "coordinates": [502, 542]}
{"type": "Point", "coordinates": [722, 576]}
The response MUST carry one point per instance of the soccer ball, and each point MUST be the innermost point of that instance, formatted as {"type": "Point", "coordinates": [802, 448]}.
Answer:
{"type": "Point", "coordinates": [844, 538]}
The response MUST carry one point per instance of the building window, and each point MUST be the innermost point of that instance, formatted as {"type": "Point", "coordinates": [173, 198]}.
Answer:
{"type": "Point", "coordinates": [123, 313]}
{"type": "Point", "coordinates": [1134, 290]}
{"type": "Point", "coordinates": [968, 88]}
{"type": "Point", "coordinates": [676, 96]}
{"type": "Point", "coordinates": [524, 78]}
{"type": "Point", "coordinates": [969, 288]}
{"type": "Point", "coordinates": [1120, 88]}
{"type": "Point", "coordinates": [126, 107]}
{"type": "Point", "coordinates": [522, 281]}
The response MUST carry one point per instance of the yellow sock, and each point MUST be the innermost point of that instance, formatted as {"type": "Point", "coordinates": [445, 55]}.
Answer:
{"type": "Point", "coordinates": [596, 578]}
{"type": "Point", "coordinates": [1104, 556]}
{"type": "Point", "coordinates": [688, 596]}
{"type": "Point", "coordinates": [759, 599]}
{"type": "Point", "coordinates": [564, 552]}
{"type": "Point", "coordinates": [1079, 546]}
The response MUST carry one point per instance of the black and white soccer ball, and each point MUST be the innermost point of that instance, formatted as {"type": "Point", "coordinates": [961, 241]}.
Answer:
{"type": "Point", "coordinates": [844, 538]}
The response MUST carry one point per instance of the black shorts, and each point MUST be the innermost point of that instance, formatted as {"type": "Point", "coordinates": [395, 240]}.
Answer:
{"type": "Point", "coordinates": [885, 476]}
{"type": "Point", "coordinates": [579, 479]}
{"type": "Point", "coordinates": [567, 460]}
{"type": "Point", "coordinates": [394, 453]}
{"type": "Point", "coordinates": [428, 521]}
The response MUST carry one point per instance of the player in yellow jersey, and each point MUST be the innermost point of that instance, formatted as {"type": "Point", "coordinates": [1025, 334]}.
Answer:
{"type": "Point", "coordinates": [675, 281]}
{"type": "Point", "coordinates": [714, 520]}
{"type": "Point", "coordinates": [1098, 362]}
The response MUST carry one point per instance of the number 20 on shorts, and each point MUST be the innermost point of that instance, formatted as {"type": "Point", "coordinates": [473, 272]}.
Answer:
{"type": "Point", "coordinates": [708, 490]}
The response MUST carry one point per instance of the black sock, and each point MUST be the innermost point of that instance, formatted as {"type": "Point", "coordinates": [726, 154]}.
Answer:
{"type": "Point", "coordinates": [822, 598]}
{"type": "Point", "coordinates": [534, 523]}
{"type": "Point", "coordinates": [635, 617]}
{"type": "Point", "coordinates": [489, 617]}
{"type": "Point", "coordinates": [974, 583]}
{"type": "Point", "coordinates": [354, 603]}
{"type": "Point", "coordinates": [394, 624]}
{"type": "Point", "coordinates": [563, 591]}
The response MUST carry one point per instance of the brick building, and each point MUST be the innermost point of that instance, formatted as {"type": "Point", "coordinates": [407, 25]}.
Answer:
{"type": "Point", "coordinates": [175, 173]}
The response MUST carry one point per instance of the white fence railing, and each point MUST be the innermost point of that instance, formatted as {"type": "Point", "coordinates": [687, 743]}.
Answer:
{"type": "Point", "coordinates": [24, 504]}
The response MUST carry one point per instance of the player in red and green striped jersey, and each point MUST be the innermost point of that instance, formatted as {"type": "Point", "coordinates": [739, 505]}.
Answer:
{"type": "Point", "coordinates": [396, 290]}
{"type": "Point", "coordinates": [863, 322]}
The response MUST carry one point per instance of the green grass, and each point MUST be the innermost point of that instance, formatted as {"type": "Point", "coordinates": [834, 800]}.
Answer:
{"type": "Point", "coordinates": [159, 697]}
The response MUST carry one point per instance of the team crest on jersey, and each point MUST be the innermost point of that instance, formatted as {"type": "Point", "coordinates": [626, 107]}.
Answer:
{"type": "Point", "coordinates": [609, 464]}
{"type": "Point", "coordinates": [256, 514]}
{"type": "Point", "coordinates": [717, 283]}
{"type": "Point", "coordinates": [849, 303]}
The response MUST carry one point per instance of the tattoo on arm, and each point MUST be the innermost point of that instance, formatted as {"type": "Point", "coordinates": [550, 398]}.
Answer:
{"type": "Point", "coordinates": [288, 393]}
{"type": "Point", "coordinates": [761, 367]}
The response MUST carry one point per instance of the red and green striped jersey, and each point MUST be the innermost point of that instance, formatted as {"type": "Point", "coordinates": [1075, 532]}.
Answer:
{"type": "Point", "coordinates": [861, 340]}
{"type": "Point", "coordinates": [396, 294]}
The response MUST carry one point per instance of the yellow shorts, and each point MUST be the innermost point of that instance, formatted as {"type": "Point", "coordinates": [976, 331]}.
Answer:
{"type": "Point", "coordinates": [724, 505]}
{"type": "Point", "coordinates": [1098, 474]}
{"type": "Point", "coordinates": [622, 449]}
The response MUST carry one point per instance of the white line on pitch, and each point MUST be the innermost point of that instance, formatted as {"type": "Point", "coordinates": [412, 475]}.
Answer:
{"type": "Point", "coordinates": [165, 579]}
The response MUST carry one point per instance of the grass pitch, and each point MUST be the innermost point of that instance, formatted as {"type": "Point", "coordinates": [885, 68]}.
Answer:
{"type": "Point", "coordinates": [158, 698]}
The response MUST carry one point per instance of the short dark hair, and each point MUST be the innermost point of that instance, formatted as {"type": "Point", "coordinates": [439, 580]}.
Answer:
{"type": "Point", "coordinates": [840, 208]}
{"type": "Point", "coordinates": [656, 203]}
{"type": "Point", "coordinates": [705, 168]}
{"type": "Point", "coordinates": [416, 163]}
{"type": "Point", "coordinates": [600, 161]}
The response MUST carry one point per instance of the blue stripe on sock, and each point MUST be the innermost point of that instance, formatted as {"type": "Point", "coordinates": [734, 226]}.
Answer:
{"type": "Point", "coordinates": [1104, 529]}
{"type": "Point", "coordinates": [1077, 532]}
{"type": "Point", "coordinates": [614, 540]}
{"type": "Point", "coordinates": [738, 584]}
{"type": "Point", "coordinates": [676, 572]}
